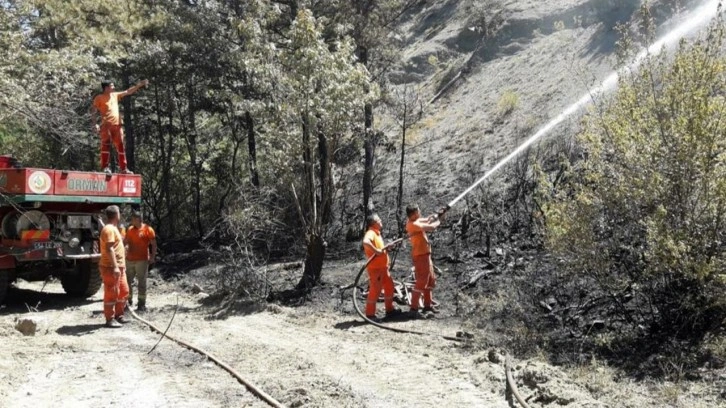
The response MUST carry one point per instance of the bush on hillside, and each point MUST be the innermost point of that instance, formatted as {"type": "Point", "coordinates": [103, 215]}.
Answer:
{"type": "Point", "coordinates": [643, 217]}
{"type": "Point", "coordinates": [508, 102]}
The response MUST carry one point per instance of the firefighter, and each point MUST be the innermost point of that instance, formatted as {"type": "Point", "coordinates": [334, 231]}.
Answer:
{"type": "Point", "coordinates": [378, 273]}
{"type": "Point", "coordinates": [139, 237]}
{"type": "Point", "coordinates": [416, 228]}
{"type": "Point", "coordinates": [111, 130]}
{"type": "Point", "coordinates": [112, 267]}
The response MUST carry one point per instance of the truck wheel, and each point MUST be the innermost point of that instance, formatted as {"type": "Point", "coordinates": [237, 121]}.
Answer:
{"type": "Point", "coordinates": [84, 281]}
{"type": "Point", "coordinates": [4, 282]}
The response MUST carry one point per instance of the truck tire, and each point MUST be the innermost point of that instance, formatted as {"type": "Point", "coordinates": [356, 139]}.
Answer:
{"type": "Point", "coordinates": [84, 281]}
{"type": "Point", "coordinates": [4, 282]}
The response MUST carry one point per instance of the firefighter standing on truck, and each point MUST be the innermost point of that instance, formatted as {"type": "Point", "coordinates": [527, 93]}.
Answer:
{"type": "Point", "coordinates": [111, 130]}
{"type": "Point", "coordinates": [139, 237]}
{"type": "Point", "coordinates": [378, 273]}
{"type": "Point", "coordinates": [112, 267]}
{"type": "Point", "coordinates": [416, 228]}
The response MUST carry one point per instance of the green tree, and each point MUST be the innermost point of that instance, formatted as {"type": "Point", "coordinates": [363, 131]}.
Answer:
{"type": "Point", "coordinates": [370, 23]}
{"type": "Point", "coordinates": [324, 89]}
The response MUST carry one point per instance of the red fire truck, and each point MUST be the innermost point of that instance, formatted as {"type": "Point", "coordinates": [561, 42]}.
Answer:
{"type": "Point", "coordinates": [50, 222]}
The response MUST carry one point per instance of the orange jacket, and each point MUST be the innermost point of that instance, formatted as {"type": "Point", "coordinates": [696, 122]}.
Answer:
{"type": "Point", "coordinates": [111, 234]}
{"type": "Point", "coordinates": [107, 105]}
{"type": "Point", "coordinates": [419, 240]}
{"type": "Point", "coordinates": [139, 240]}
{"type": "Point", "coordinates": [380, 261]}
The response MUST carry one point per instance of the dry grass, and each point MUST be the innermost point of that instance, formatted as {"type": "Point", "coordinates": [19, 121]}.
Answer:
{"type": "Point", "coordinates": [595, 376]}
{"type": "Point", "coordinates": [417, 131]}
{"type": "Point", "coordinates": [508, 102]}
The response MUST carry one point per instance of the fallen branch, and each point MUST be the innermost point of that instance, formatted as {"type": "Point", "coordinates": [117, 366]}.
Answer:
{"type": "Point", "coordinates": [474, 279]}
{"type": "Point", "coordinates": [446, 87]}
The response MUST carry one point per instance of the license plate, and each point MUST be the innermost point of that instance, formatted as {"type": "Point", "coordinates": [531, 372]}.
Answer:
{"type": "Point", "coordinates": [47, 245]}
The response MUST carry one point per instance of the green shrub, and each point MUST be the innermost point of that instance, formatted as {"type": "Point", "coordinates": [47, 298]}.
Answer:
{"type": "Point", "coordinates": [643, 216]}
{"type": "Point", "coordinates": [508, 102]}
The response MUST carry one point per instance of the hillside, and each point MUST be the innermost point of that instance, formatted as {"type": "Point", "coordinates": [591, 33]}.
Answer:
{"type": "Point", "coordinates": [544, 55]}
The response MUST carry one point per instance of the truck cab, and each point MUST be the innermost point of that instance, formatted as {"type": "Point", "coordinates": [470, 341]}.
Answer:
{"type": "Point", "coordinates": [50, 221]}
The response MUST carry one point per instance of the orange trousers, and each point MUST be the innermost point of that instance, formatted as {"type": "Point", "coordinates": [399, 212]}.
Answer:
{"type": "Point", "coordinates": [425, 280]}
{"type": "Point", "coordinates": [112, 134]}
{"type": "Point", "coordinates": [380, 279]}
{"type": "Point", "coordinates": [115, 292]}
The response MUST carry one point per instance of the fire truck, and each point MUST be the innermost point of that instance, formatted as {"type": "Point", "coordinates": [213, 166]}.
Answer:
{"type": "Point", "coordinates": [50, 221]}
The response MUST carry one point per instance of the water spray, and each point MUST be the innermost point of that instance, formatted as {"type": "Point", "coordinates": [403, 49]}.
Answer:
{"type": "Point", "coordinates": [699, 17]}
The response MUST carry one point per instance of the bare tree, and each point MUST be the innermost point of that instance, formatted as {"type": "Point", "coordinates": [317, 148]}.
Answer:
{"type": "Point", "coordinates": [408, 107]}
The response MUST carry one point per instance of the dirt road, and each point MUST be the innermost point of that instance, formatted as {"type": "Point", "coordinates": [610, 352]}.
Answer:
{"type": "Point", "coordinates": [302, 358]}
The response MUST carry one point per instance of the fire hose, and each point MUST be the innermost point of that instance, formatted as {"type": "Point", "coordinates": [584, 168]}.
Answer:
{"type": "Point", "coordinates": [379, 325]}
{"type": "Point", "coordinates": [250, 387]}
{"type": "Point", "coordinates": [513, 385]}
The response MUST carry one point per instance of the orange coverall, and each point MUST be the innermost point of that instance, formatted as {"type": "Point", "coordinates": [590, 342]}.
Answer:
{"type": "Point", "coordinates": [378, 273]}
{"type": "Point", "coordinates": [111, 130]}
{"type": "Point", "coordinates": [422, 265]}
{"type": "Point", "coordinates": [115, 287]}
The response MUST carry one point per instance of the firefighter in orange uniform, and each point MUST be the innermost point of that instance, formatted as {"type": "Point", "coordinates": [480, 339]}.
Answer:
{"type": "Point", "coordinates": [139, 237]}
{"type": "Point", "coordinates": [112, 267]}
{"type": "Point", "coordinates": [416, 228]}
{"type": "Point", "coordinates": [111, 130]}
{"type": "Point", "coordinates": [378, 273]}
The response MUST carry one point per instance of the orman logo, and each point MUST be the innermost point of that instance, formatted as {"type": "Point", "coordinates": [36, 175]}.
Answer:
{"type": "Point", "coordinates": [39, 182]}
{"type": "Point", "coordinates": [87, 185]}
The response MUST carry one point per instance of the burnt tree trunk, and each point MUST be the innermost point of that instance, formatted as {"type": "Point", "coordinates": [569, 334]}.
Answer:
{"type": "Point", "coordinates": [313, 263]}
{"type": "Point", "coordinates": [399, 196]}
{"type": "Point", "coordinates": [312, 219]}
{"type": "Point", "coordinates": [225, 179]}
{"type": "Point", "coordinates": [130, 140]}
{"type": "Point", "coordinates": [196, 161]}
{"type": "Point", "coordinates": [326, 180]}
{"type": "Point", "coordinates": [369, 147]}
{"type": "Point", "coordinates": [308, 172]}
{"type": "Point", "coordinates": [252, 149]}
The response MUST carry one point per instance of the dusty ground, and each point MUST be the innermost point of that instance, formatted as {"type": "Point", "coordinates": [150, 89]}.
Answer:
{"type": "Point", "coordinates": [300, 356]}
{"type": "Point", "coordinates": [317, 355]}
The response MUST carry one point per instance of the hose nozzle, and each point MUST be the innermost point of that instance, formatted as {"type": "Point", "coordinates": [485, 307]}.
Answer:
{"type": "Point", "coordinates": [442, 211]}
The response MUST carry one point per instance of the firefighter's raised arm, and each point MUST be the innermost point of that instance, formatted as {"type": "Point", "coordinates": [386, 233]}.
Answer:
{"type": "Point", "coordinates": [133, 89]}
